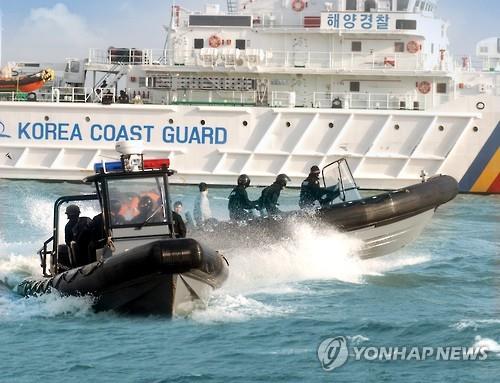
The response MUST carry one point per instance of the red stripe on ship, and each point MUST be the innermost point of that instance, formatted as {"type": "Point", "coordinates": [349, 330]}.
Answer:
{"type": "Point", "coordinates": [495, 186]}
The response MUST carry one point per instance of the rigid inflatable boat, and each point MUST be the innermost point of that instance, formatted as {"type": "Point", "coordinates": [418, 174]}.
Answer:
{"type": "Point", "coordinates": [384, 222]}
{"type": "Point", "coordinates": [130, 257]}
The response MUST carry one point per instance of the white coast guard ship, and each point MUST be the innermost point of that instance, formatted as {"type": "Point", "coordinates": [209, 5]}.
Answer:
{"type": "Point", "coordinates": [274, 87]}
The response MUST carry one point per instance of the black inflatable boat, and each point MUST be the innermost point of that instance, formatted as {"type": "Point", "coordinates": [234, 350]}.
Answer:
{"type": "Point", "coordinates": [385, 222]}
{"type": "Point", "coordinates": [130, 257]}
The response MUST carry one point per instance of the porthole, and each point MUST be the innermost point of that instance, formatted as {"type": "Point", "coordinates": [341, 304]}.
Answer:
{"type": "Point", "coordinates": [87, 119]}
{"type": "Point", "coordinates": [475, 128]}
{"type": "Point", "coordinates": [441, 128]}
{"type": "Point", "coordinates": [245, 123]}
{"type": "Point", "coordinates": [46, 118]}
{"type": "Point", "coordinates": [170, 121]}
{"type": "Point", "coordinates": [202, 122]}
{"type": "Point", "coordinates": [288, 124]}
{"type": "Point", "coordinates": [480, 105]}
{"type": "Point", "coordinates": [396, 126]}
{"type": "Point", "coordinates": [330, 125]}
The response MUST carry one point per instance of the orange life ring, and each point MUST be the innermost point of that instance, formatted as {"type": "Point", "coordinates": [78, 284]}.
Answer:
{"type": "Point", "coordinates": [214, 41]}
{"type": "Point", "coordinates": [412, 46]}
{"type": "Point", "coordinates": [298, 5]}
{"type": "Point", "coordinates": [424, 87]}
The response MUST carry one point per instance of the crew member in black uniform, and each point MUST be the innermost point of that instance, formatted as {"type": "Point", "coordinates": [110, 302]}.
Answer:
{"type": "Point", "coordinates": [77, 235]}
{"type": "Point", "coordinates": [269, 197]}
{"type": "Point", "coordinates": [311, 191]}
{"type": "Point", "coordinates": [179, 225]}
{"type": "Point", "coordinates": [240, 207]}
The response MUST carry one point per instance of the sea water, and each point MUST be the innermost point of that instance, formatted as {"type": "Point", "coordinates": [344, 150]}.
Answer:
{"type": "Point", "coordinates": [279, 304]}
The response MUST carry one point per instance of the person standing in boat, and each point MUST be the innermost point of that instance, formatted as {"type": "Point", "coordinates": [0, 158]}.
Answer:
{"type": "Point", "coordinates": [201, 211]}
{"type": "Point", "coordinates": [240, 207]}
{"type": "Point", "coordinates": [311, 191]}
{"type": "Point", "coordinates": [269, 198]}
{"type": "Point", "coordinates": [77, 235]}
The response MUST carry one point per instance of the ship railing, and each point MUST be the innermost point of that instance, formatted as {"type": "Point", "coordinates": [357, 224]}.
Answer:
{"type": "Point", "coordinates": [231, 57]}
{"type": "Point", "coordinates": [212, 97]}
{"type": "Point", "coordinates": [81, 95]}
{"type": "Point", "coordinates": [383, 101]}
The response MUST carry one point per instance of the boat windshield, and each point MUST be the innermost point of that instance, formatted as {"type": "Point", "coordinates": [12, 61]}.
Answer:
{"type": "Point", "coordinates": [137, 201]}
{"type": "Point", "coordinates": [338, 174]}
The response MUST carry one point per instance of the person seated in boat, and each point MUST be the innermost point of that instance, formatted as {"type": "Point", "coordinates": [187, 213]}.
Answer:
{"type": "Point", "coordinates": [240, 207]}
{"type": "Point", "coordinates": [147, 211]}
{"type": "Point", "coordinates": [179, 209]}
{"type": "Point", "coordinates": [179, 225]}
{"type": "Point", "coordinates": [311, 191]}
{"type": "Point", "coordinates": [269, 198]}
{"type": "Point", "coordinates": [201, 210]}
{"type": "Point", "coordinates": [77, 235]}
{"type": "Point", "coordinates": [98, 232]}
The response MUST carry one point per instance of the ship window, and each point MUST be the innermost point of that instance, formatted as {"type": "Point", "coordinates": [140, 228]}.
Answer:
{"type": "Point", "coordinates": [406, 24]}
{"type": "Point", "coordinates": [399, 46]}
{"type": "Point", "coordinates": [402, 5]}
{"type": "Point", "coordinates": [356, 46]}
{"type": "Point", "coordinates": [417, 3]}
{"type": "Point", "coordinates": [483, 49]}
{"type": "Point", "coordinates": [240, 44]}
{"type": "Point", "coordinates": [198, 43]}
{"type": "Point", "coordinates": [350, 5]}
{"type": "Point", "coordinates": [498, 45]}
{"type": "Point", "coordinates": [74, 66]}
{"type": "Point", "coordinates": [422, 6]}
{"type": "Point", "coordinates": [220, 21]}
{"type": "Point", "coordinates": [369, 5]}
{"type": "Point", "coordinates": [441, 87]}
{"type": "Point", "coordinates": [354, 86]}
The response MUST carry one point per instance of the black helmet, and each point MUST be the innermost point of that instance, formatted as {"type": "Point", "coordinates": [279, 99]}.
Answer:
{"type": "Point", "coordinates": [314, 170]}
{"type": "Point", "coordinates": [244, 180]}
{"type": "Point", "coordinates": [203, 186]}
{"type": "Point", "coordinates": [282, 179]}
{"type": "Point", "coordinates": [72, 210]}
{"type": "Point", "coordinates": [145, 203]}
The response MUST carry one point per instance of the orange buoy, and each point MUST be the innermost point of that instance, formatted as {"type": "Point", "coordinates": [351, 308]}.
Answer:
{"type": "Point", "coordinates": [424, 87]}
{"type": "Point", "coordinates": [412, 46]}
{"type": "Point", "coordinates": [214, 41]}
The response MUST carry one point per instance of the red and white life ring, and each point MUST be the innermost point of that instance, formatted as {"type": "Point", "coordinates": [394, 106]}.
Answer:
{"type": "Point", "coordinates": [424, 87]}
{"type": "Point", "coordinates": [214, 41]}
{"type": "Point", "coordinates": [412, 46]}
{"type": "Point", "coordinates": [298, 5]}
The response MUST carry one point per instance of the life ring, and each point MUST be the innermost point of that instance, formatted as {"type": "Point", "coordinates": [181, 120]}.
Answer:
{"type": "Point", "coordinates": [214, 41]}
{"type": "Point", "coordinates": [298, 5]}
{"type": "Point", "coordinates": [412, 46]}
{"type": "Point", "coordinates": [424, 87]}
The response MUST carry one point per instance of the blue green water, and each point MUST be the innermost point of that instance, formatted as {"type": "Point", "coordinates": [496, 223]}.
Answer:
{"type": "Point", "coordinates": [279, 303]}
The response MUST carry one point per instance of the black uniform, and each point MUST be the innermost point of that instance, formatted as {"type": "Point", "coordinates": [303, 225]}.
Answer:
{"type": "Point", "coordinates": [79, 231]}
{"type": "Point", "coordinates": [269, 198]}
{"type": "Point", "coordinates": [310, 191]}
{"type": "Point", "coordinates": [239, 205]}
{"type": "Point", "coordinates": [179, 225]}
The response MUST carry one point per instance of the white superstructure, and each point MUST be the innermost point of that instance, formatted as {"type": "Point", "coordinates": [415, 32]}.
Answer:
{"type": "Point", "coordinates": [274, 87]}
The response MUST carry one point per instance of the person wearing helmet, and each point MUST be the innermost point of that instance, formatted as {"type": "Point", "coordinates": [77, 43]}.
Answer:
{"type": "Point", "coordinates": [146, 211]}
{"type": "Point", "coordinates": [311, 191]}
{"type": "Point", "coordinates": [269, 198]}
{"type": "Point", "coordinates": [77, 234]}
{"type": "Point", "coordinates": [240, 207]}
{"type": "Point", "coordinates": [201, 210]}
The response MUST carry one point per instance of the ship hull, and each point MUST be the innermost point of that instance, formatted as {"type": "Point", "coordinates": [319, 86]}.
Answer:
{"type": "Point", "coordinates": [386, 149]}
